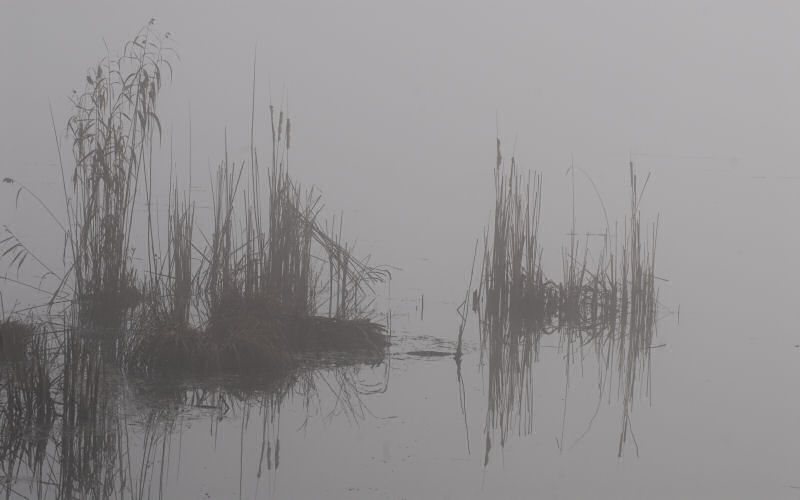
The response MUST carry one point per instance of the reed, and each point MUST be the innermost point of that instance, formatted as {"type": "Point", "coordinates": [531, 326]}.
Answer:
{"type": "Point", "coordinates": [260, 278]}
{"type": "Point", "coordinates": [258, 282]}
{"type": "Point", "coordinates": [612, 306]}
{"type": "Point", "coordinates": [258, 287]}
{"type": "Point", "coordinates": [112, 128]}
{"type": "Point", "coordinates": [514, 299]}
{"type": "Point", "coordinates": [181, 228]}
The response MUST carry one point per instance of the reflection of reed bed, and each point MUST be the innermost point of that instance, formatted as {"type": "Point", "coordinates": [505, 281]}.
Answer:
{"type": "Point", "coordinates": [88, 440]}
{"type": "Point", "coordinates": [53, 421]}
{"type": "Point", "coordinates": [611, 305]}
{"type": "Point", "coordinates": [68, 429]}
{"type": "Point", "coordinates": [62, 432]}
{"type": "Point", "coordinates": [106, 440]}
{"type": "Point", "coordinates": [27, 407]}
{"type": "Point", "coordinates": [26, 383]}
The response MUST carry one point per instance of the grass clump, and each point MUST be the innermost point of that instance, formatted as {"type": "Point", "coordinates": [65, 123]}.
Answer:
{"type": "Point", "coordinates": [267, 281]}
{"type": "Point", "coordinates": [259, 290]}
{"type": "Point", "coordinates": [611, 305]}
{"type": "Point", "coordinates": [112, 131]}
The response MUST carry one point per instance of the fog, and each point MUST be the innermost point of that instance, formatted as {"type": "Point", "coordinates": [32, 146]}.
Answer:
{"type": "Point", "coordinates": [398, 102]}
{"type": "Point", "coordinates": [396, 109]}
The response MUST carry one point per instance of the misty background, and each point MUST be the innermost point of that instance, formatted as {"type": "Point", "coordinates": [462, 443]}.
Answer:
{"type": "Point", "coordinates": [396, 107]}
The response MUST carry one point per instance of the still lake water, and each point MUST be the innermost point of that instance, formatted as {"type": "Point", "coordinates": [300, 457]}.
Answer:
{"type": "Point", "coordinates": [721, 419]}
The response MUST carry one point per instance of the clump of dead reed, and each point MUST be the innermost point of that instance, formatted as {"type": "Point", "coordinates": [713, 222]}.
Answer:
{"type": "Point", "coordinates": [516, 299]}
{"type": "Point", "coordinates": [112, 130]}
{"type": "Point", "coordinates": [260, 288]}
{"type": "Point", "coordinates": [611, 305]}
{"type": "Point", "coordinates": [267, 273]}
{"type": "Point", "coordinates": [270, 280]}
{"type": "Point", "coordinates": [285, 261]}
{"type": "Point", "coordinates": [258, 284]}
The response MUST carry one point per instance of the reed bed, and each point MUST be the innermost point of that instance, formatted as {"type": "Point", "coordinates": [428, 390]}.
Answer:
{"type": "Point", "coordinates": [611, 306]}
{"type": "Point", "coordinates": [269, 280]}
{"type": "Point", "coordinates": [272, 292]}
{"type": "Point", "coordinates": [259, 292]}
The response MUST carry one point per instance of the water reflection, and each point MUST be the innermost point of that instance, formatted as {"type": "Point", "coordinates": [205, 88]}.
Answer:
{"type": "Point", "coordinates": [74, 425]}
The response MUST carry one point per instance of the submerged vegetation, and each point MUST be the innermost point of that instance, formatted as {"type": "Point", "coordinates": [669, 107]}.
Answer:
{"type": "Point", "coordinates": [610, 305]}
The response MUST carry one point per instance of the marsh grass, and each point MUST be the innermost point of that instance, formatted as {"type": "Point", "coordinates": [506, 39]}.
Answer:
{"type": "Point", "coordinates": [269, 279]}
{"type": "Point", "coordinates": [112, 128]}
{"type": "Point", "coordinates": [610, 307]}
{"type": "Point", "coordinates": [258, 286]}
